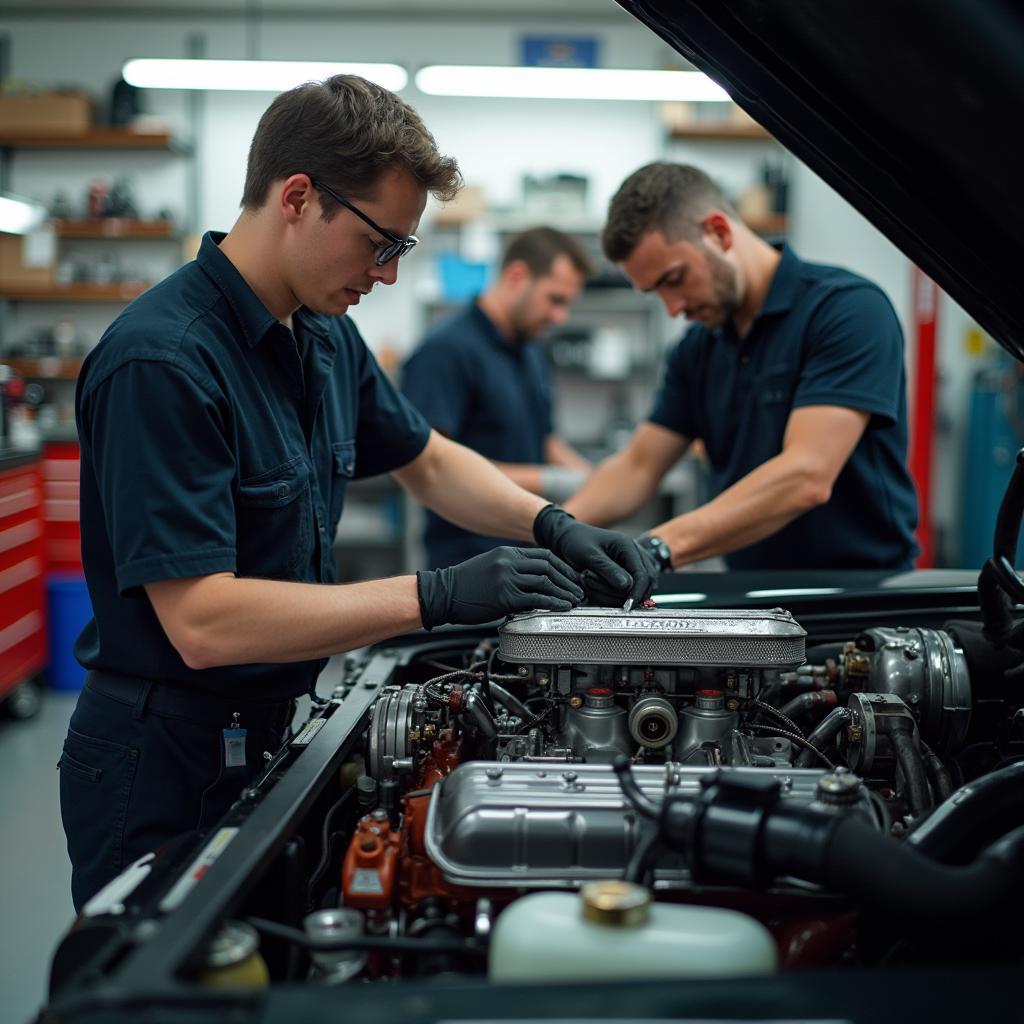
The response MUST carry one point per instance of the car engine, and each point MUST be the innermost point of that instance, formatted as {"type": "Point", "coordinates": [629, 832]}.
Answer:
{"type": "Point", "coordinates": [491, 777]}
{"type": "Point", "coordinates": [597, 794]}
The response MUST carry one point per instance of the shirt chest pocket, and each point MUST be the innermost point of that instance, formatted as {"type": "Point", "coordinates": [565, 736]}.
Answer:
{"type": "Point", "coordinates": [343, 461]}
{"type": "Point", "coordinates": [274, 523]}
{"type": "Point", "coordinates": [776, 387]}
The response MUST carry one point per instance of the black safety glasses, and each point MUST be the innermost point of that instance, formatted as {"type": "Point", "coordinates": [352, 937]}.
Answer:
{"type": "Point", "coordinates": [395, 246]}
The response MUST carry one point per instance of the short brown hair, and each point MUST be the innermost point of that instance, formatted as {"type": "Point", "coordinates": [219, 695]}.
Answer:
{"type": "Point", "coordinates": [539, 247]}
{"type": "Point", "coordinates": [345, 132]}
{"type": "Point", "coordinates": [671, 198]}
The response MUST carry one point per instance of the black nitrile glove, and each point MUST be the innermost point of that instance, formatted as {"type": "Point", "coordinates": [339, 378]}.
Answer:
{"type": "Point", "coordinates": [612, 560]}
{"type": "Point", "coordinates": [497, 583]}
{"type": "Point", "coordinates": [601, 595]}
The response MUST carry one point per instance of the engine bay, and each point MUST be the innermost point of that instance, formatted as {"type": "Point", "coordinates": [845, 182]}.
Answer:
{"type": "Point", "coordinates": [594, 795]}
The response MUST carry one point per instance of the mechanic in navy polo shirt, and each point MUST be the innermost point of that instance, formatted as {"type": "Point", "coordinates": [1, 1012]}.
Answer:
{"type": "Point", "coordinates": [481, 378]}
{"type": "Point", "coordinates": [792, 376]}
{"type": "Point", "coordinates": [220, 418]}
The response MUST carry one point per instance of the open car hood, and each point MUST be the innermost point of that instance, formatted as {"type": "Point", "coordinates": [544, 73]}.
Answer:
{"type": "Point", "coordinates": [911, 111]}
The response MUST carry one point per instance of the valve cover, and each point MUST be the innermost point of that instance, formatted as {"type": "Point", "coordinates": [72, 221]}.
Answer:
{"type": "Point", "coordinates": [658, 636]}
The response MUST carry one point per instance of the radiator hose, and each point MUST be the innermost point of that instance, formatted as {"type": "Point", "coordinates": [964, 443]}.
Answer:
{"type": "Point", "coordinates": [740, 831]}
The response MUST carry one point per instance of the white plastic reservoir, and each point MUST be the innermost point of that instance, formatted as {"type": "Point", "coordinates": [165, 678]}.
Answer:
{"type": "Point", "coordinates": [612, 930]}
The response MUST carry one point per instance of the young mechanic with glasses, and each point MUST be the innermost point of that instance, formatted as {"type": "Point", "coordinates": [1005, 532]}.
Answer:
{"type": "Point", "coordinates": [221, 418]}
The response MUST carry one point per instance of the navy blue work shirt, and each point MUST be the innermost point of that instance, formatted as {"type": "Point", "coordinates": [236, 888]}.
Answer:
{"type": "Point", "coordinates": [824, 336]}
{"type": "Point", "coordinates": [210, 445]}
{"type": "Point", "coordinates": [487, 392]}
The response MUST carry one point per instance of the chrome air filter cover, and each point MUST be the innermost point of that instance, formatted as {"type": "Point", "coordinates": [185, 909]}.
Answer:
{"type": "Point", "coordinates": [656, 636]}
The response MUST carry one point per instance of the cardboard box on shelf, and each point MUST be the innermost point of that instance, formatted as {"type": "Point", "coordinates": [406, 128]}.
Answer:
{"type": "Point", "coordinates": [15, 272]}
{"type": "Point", "coordinates": [45, 113]}
{"type": "Point", "coordinates": [467, 206]}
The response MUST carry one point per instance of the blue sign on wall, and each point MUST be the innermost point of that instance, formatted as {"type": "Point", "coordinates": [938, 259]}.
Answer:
{"type": "Point", "coordinates": [559, 52]}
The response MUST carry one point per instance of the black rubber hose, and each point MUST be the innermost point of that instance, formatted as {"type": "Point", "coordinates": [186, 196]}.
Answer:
{"type": "Point", "coordinates": [901, 736]}
{"type": "Point", "coordinates": [633, 793]}
{"type": "Point", "coordinates": [640, 869]}
{"type": "Point", "coordinates": [477, 709]}
{"type": "Point", "coordinates": [799, 705]}
{"type": "Point", "coordinates": [510, 702]}
{"type": "Point", "coordinates": [818, 654]}
{"type": "Point", "coordinates": [326, 839]}
{"type": "Point", "coordinates": [972, 817]}
{"type": "Point", "coordinates": [804, 702]}
{"type": "Point", "coordinates": [743, 833]}
{"type": "Point", "coordinates": [822, 735]}
{"type": "Point", "coordinates": [937, 772]}
{"type": "Point", "coordinates": [896, 880]}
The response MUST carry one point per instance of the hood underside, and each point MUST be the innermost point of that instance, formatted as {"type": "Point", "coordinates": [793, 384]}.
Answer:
{"type": "Point", "coordinates": [912, 111]}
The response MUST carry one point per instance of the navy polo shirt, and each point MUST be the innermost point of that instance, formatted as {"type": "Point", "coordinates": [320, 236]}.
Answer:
{"type": "Point", "coordinates": [823, 337]}
{"type": "Point", "coordinates": [209, 444]}
{"type": "Point", "coordinates": [487, 392]}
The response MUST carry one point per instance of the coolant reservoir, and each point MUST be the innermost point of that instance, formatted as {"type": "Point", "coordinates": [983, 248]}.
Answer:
{"type": "Point", "coordinates": [612, 930]}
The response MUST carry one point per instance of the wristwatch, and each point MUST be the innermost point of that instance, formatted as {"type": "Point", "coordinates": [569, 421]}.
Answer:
{"type": "Point", "coordinates": [657, 547]}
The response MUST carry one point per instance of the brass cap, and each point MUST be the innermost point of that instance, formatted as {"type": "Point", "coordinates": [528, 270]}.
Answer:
{"type": "Point", "coordinates": [616, 904]}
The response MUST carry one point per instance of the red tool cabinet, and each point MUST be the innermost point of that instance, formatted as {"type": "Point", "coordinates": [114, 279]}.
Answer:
{"type": "Point", "coordinates": [23, 650]}
{"type": "Point", "coordinates": [60, 507]}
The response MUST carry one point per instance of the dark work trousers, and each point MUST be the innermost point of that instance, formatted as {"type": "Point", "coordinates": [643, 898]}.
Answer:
{"type": "Point", "coordinates": [142, 764]}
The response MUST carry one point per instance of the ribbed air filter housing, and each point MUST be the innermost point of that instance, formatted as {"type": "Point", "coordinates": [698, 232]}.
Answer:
{"type": "Point", "coordinates": [658, 636]}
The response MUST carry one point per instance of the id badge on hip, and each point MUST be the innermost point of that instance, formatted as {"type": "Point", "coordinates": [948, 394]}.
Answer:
{"type": "Point", "coordinates": [234, 744]}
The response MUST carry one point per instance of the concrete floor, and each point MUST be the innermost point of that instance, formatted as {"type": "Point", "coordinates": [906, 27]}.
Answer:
{"type": "Point", "coordinates": [35, 884]}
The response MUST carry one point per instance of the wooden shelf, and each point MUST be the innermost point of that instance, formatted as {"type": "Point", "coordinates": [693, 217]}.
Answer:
{"type": "Point", "coordinates": [114, 227]}
{"type": "Point", "coordinates": [120, 291]}
{"type": "Point", "coordinates": [97, 138]}
{"type": "Point", "coordinates": [719, 131]}
{"type": "Point", "coordinates": [47, 368]}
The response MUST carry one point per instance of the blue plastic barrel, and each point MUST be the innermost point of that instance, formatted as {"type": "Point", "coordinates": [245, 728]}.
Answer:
{"type": "Point", "coordinates": [69, 609]}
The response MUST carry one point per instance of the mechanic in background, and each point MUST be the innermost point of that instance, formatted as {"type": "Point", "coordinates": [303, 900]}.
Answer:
{"type": "Point", "coordinates": [792, 375]}
{"type": "Point", "coordinates": [481, 378]}
{"type": "Point", "coordinates": [221, 417]}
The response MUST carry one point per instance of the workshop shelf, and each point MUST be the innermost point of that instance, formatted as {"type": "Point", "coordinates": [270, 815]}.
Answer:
{"type": "Point", "coordinates": [118, 291]}
{"type": "Point", "coordinates": [114, 227]}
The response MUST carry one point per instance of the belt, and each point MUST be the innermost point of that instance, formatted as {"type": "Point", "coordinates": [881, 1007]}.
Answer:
{"type": "Point", "coordinates": [171, 702]}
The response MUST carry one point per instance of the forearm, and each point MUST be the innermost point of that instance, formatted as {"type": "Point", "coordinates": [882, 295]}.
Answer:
{"type": "Point", "coordinates": [225, 620]}
{"type": "Point", "coordinates": [755, 507]}
{"type": "Point", "coordinates": [523, 474]}
{"type": "Point", "coordinates": [468, 490]}
{"type": "Point", "coordinates": [614, 491]}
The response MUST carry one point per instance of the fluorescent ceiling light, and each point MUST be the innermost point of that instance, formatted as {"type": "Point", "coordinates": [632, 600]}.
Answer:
{"type": "Point", "coordinates": [568, 83]}
{"type": "Point", "coordinates": [20, 216]}
{"type": "Point", "coordinates": [251, 75]}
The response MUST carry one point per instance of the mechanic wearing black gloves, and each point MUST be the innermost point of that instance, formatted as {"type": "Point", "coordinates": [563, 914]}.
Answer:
{"type": "Point", "coordinates": [221, 418]}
